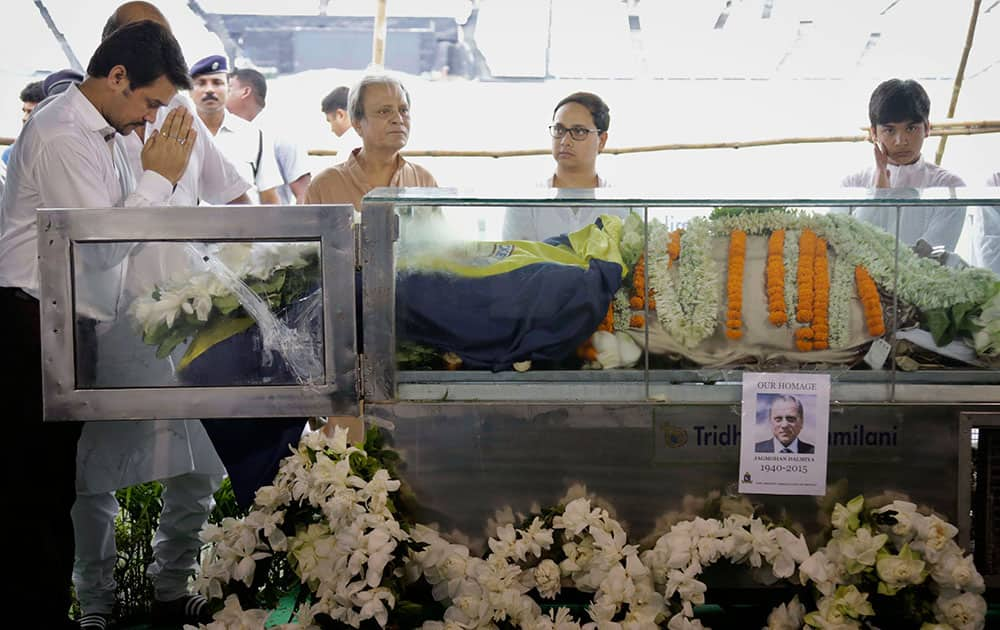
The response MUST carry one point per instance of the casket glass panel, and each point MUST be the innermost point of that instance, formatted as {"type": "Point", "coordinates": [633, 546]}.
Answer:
{"type": "Point", "coordinates": [470, 301]}
{"type": "Point", "coordinates": [207, 312]}
{"type": "Point", "coordinates": [199, 314]}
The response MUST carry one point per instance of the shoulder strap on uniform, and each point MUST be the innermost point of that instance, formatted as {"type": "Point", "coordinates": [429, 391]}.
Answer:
{"type": "Point", "coordinates": [260, 152]}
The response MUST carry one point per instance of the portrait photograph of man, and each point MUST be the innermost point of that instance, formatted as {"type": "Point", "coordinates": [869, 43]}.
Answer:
{"type": "Point", "coordinates": [785, 418]}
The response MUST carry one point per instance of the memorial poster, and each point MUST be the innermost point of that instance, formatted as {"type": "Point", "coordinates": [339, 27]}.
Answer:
{"type": "Point", "coordinates": [785, 420]}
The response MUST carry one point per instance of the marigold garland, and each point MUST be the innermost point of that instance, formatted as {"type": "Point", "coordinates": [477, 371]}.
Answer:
{"type": "Point", "coordinates": [637, 321]}
{"type": "Point", "coordinates": [674, 247]}
{"type": "Point", "coordinates": [608, 325]}
{"type": "Point", "coordinates": [821, 298]}
{"type": "Point", "coordinates": [734, 283]}
{"type": "Point", "coordinates": [638, 299]}
{"type": "Point", "coordinates": [807, 254]}
{"type": "Point", "coordinates": [775, 278]}
{"type": "Point", "coordinates": [870, 301]}
{"type": "Point", "coordinates": [586, 351]}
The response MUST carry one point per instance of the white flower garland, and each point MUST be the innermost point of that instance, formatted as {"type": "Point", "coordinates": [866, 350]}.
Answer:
{"type": "Point", "coordinates": [791, 262]}
{"type": "Point", "coordinates": [841, 289]}
{"type": "Point", "coordinates": [622, 309]}
{"type": "Point", "coordinates": [688, 298]}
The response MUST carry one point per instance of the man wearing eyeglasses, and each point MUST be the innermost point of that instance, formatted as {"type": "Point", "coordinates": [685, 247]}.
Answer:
{"type": "Point", "coordinates": [579, 131]}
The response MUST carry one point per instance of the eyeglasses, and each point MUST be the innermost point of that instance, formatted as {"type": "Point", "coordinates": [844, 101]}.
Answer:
{"type": "Point", "coordinates": [577, 133]}
{"type": "Point", "coordinates": [390, 112]}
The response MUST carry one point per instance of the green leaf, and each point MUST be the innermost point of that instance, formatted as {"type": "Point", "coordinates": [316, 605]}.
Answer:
{"type": "Point", "coordinates": [272, 285]}
{"type": "Point", "coordinates": [961, 311]}
{"type": "Point", "coordinates": [176, 336]}
{"type": "Point", "coordinates": [157, 335]}
{"type": "Point", "coordinates": [226, 303]}
{"type": "Point", "coordinates": [722, 212]}
{"type": "Point", "coordinates": [939, 324]}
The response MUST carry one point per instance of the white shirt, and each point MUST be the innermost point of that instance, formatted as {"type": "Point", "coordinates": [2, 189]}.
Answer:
{"type": "Point", "coordinates": [63, 159]}
{"type": "Point", "coordinates": [242, 142]}
{"type": "Point", "coordinates": [210, 178]}
{"type": "Point", "coordinates": [119, 454]}
{"type": "Point", "coordinates": [345, 144]}
{"type": "Point", "coordinates": [938, 225]}
{"type": "Point", "coordinates": [292, 161]}
{"type": "Point", "coordinates": [538, 224]}
{"type": "Point", "coordinates": [986, 233]}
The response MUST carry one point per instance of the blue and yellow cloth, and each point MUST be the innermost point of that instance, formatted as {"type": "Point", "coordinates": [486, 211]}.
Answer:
{"type": "Point", "coordinates": [497, 303]}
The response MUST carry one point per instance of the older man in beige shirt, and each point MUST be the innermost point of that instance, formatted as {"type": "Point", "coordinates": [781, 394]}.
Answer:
{"type": "Point", "coordinates": [380, 113]}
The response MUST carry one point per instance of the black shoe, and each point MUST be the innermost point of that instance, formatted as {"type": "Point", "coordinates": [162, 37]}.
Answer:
{"type": "Point", "coordinates": [191, 609]}
{"type": "Point", "coordinates": [95, 621]}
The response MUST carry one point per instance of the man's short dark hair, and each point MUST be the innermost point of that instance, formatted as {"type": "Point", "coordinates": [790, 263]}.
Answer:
{"type": "Point", "coordinates": [34, 92]}
{"type": "Point", "coordinates": [110, 26]}
{"type": "Point", "coordinates": [595, 105]}
{"type": "Point", "coordinates": [896, 101]}
{"type": "Point", "coordinates": [337, 99]}
{"type": "Point", "coordinates": [253, 78]}
{"type": "Point", "coordinates": [147, 50]}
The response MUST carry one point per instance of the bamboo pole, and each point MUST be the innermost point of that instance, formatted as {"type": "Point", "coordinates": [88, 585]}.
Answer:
{"type": "Point", "coordinates": [944, 130]}
{"type": "Point", "coordinates": [951, 128]}
{"type": "Point", "coordinates": [378, 35]}
{"type": "Point", "coordinates": [959, 76]}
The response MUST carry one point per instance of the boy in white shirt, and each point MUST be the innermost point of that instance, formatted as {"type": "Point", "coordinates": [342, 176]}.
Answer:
{"type": "Point", "coordinates": [899, 113]}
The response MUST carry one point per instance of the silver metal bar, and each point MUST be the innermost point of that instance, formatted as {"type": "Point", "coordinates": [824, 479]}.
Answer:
{"type": "Point", "coordinates": [576, 392]}
{"type": "Point", "coordinates": [378, 273]}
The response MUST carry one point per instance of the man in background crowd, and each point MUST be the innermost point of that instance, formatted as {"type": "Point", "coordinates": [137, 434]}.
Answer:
{"type": "Point", "coordinates": [241, 142]}
{"type": "Point", "coordinates": [334, 107]}
{"type": "Point", "coordinates": [247, 99]}
{"type": "Point", "coordinates": [380, 114]}
{"type": "Point", "coordinates": [31, 95]}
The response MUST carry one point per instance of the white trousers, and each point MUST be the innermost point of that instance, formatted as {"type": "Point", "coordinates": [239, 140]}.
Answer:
{"type": "Point", "coordinates": [187, 502]}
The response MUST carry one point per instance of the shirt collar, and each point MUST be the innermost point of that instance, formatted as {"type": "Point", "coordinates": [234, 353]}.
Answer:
{"type": "Point", "coordinates": [92, 118]}
{"type": "Point", "coordinates": [551, 181]}
{"type": "Point", "coordinates": [895, 168]}
{"type": "Point", "coordinates": [232, 122]}
{"type": "Point", "coordinates": [354, 169]}
{"type": "Point", "coordinates": [793, 447]}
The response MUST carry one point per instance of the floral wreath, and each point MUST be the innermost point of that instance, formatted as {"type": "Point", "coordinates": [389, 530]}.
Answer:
{"type": "Point", "coordinates": [333, 530]}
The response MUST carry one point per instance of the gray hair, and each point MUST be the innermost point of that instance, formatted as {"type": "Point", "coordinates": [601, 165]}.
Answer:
{"type": "Point", "coordinates": [788, 399]}
{"type": "Point", "coordinates": [356, 98]}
